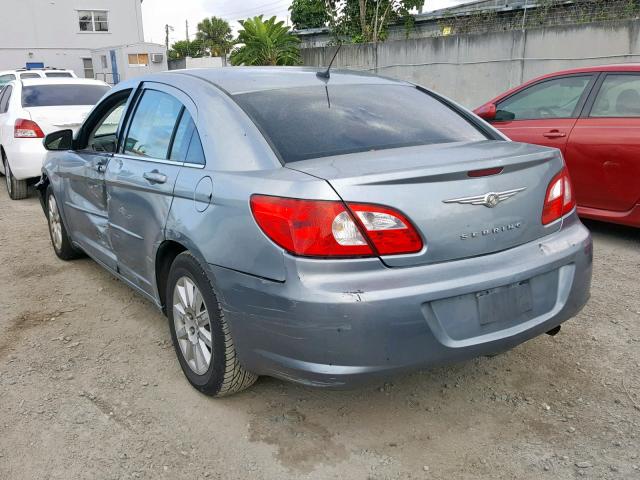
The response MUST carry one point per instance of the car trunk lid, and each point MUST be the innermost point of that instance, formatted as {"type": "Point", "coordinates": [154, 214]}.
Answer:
{"type": "Point", "coordinates": [51, 119]}
{"type": "Point", "coordinates": [457, 215]}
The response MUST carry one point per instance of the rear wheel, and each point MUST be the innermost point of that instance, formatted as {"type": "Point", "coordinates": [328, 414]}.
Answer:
{"type": "Point", "coordinates": [200, 333]}
{"type": "Point", "coordinates": [17, 189]}
{"type": "Point", "coordinates": [59, 238]}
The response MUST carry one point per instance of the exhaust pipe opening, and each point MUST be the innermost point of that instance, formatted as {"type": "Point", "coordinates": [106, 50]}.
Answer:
{"type": "Point", "coordinates": [554, 331]}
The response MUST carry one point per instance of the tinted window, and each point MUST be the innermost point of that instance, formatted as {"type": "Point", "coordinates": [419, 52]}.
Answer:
{"type": "Point", "coordinates": [182, 138]}
{"type": "Point", "coordinates": [312, 122]}
{"type": "Point", "coordinates": [619, 96]}
{"type": "Point", "coordinates": [186, 144]}
{"type": "Point", "coordinates": [549, 99]}
{"type": "Point", "coordinates": [25, 76]}
{"type": "Point", "coordinates": [58, 74]}
{"type": "Point", "coordinates": [4, 79]}
{"type": "Point", "coordinates": [6, 96]}
{"type": "Point", "coordinates": [152, 125]}
{"type": "Point", "coordinates": [60, 95]}
{"type": "Point", "coordinates": [196, 152]}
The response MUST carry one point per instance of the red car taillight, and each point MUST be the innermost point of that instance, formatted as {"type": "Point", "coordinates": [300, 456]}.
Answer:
{"type": "Point", "coordinates": [24, 128]}
{"type": "Point", "coordinates": [559, 199]}
{"type": "Point", "coordinates": [325, 228]}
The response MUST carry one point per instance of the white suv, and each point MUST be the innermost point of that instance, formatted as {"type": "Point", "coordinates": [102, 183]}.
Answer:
{"type": "Point", "coordinates": [7, 76]}
{"type": "Point", "coordinates": [30, 109]}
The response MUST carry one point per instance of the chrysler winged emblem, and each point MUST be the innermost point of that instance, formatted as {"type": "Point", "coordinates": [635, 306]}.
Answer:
{"type": "Point", "coordinates": [489, 200]}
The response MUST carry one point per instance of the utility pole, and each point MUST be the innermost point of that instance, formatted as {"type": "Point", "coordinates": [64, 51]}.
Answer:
{"type": "Point", "coordinates": [186, 27]}
{"type": "Point", "coordinates": [167, 29]}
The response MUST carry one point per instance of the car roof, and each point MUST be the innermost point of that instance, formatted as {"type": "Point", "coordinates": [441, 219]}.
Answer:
{"type": "Point", "coordinates": [237, 80]}
{"type": "Point", "coordinates": [42, 70]}
{"type": "Point", "coordinates": [622, 67]}
{"type": "Point", "coordinates": [27, 82]}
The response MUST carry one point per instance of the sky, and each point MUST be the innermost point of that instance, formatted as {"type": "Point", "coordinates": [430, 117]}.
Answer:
{"type": "Point", "coordinates": [158, 13]}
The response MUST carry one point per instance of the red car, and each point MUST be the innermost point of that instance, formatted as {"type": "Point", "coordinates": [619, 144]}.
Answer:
{"type": "Point", "coordinates": [593, 116]}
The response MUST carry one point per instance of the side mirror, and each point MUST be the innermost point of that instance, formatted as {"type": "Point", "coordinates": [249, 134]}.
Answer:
{"type": "Point", "coordinates": [487, 112]}
{"type": "Point", "coordinates": [60, 140]}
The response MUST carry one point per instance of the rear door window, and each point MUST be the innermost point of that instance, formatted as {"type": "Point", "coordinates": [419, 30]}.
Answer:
{"type": "Point", "coordinates": [152, 125]}
{"type": "Point", "coordinates": [320, 121]}
{"type": "Point", "coordinates": [26, 76]}
{"type": "Point", "coordinates": [556, 98]}
{"type": "Point", "coordinates": [619, 97]}
{"type": "Point", "coordinates": [62, 95]}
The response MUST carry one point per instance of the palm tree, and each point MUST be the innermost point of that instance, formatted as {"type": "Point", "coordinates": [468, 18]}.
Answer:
{"type": "Point", "coordinates": [215, 35]}
{"type": "Point", "coordinates": [265, 43]}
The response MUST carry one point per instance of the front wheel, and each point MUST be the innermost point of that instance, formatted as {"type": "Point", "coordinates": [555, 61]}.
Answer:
{"type": "Point", "coordinates": [17, 189]}
{"type": "Point", "coordinates": [200, 333]}
{"type": "Point", "coordinates": [59, 238]}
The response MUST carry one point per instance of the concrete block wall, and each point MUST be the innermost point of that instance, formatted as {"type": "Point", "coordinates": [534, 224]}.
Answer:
{"type": "Point", "coordinates": [472, 69]}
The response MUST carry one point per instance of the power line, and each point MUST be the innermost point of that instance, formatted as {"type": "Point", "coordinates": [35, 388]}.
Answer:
{"type": "Point", "coordinates": [258, 8]}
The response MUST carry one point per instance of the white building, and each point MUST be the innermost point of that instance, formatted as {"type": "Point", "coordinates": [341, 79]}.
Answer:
{"type": "Point", "coordinates": [63, 33]}
{"type": "Point", "coordinates": [114, 64]}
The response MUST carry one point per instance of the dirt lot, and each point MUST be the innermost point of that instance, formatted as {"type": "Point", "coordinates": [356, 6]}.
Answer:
{"type": "Point", "coordinates": [90, 388]}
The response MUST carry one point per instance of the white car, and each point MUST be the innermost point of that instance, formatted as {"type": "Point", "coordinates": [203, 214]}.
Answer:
{"type": "Point", "coordinates": [29, 110]}
{"type": "Point", "coordinates": [7, 76]}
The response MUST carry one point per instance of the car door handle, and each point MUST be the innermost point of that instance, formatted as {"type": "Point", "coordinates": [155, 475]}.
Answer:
{"type": "Point", "coordinates": [155, 177]}
{"type": "Point", "coordinates": [554, 134]}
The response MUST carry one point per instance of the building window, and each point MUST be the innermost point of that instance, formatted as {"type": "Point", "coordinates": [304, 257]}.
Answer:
{"type": "Point", "coordinates": [103, 61]}
{"type": "Point", "coordinates": [138, 59]}
{"type": "Point", "coordinates": [87, 63]}
{"type": "Point", "coordinates": [93, 20]}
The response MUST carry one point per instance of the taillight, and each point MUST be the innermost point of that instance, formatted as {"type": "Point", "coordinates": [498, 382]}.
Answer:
{"type": "Point", "coordinates": [325, 228]}
{"type": "Point", "coordinates": [559, 199]}
{"type": "Point", "coordinates": [24, 128]}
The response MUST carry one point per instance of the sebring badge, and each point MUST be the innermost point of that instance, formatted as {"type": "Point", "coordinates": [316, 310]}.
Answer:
{"type": "Point", "coordinates": [489, 200]}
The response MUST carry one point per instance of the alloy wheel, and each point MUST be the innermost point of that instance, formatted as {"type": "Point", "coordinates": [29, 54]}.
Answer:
{"type": "Point", "coordinates": [55, 223]}
{"type": "Point", "coordinates": [192, 325]}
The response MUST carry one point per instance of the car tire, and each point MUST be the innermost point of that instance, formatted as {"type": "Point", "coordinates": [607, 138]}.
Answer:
{"type": "Point", "coordinates": [57, 231]}
{"type": "Point", "coordinates": [17, 189]}
{"type": "Point", "coordinates": [200, 331]}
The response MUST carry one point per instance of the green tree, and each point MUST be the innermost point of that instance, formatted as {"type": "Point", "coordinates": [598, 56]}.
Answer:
{"type": "Point", "coordinates": [309, 14]}
{"type": "Point", "coordinates": [183, 48]}
{"type": "Point", "coordinates": [215, 35]}
{"type": "Point", "coordinates": [265, 42]}
{"type": "Point", "coordinates": [368, 20]}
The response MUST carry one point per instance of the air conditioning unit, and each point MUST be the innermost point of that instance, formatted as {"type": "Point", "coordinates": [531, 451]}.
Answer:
{"type": "Point", "coordinates": [157, 57]}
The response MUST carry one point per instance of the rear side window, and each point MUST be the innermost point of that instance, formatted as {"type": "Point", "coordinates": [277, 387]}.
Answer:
{"type": "Point", "coordinates": [152, 125]}
{"type": "Point", "coordinates": [58, 75]}
{"type": "Point", "coordinates": [186, 145]}
{"type": "Point", "coordinates": [26, 76]}
{"type": "Point", "coordinates": [62, 95]}
{"type": "Point", "coordinates": [557, 98]}
{"type": "Point", "coordinates": [313, 122]}
{"type": "Point", "coordinates": [619, 96]}
{"type": "Point", "coordinates": [4, 79]}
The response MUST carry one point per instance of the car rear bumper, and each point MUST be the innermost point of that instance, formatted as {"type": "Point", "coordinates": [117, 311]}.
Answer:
{"type": "Point", "coordinates": [331, 324]}
{"type": "Point", "coordinates": [26, 156]}
{"type": "Point", "coordinates": [630, 217]}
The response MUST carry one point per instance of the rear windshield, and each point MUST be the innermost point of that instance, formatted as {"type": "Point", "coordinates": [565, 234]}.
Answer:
{"type": "Point", "coordinates": [6, 78]}
{"type": "Point", "coordinates": [58, 75]}
{"type": "Point", "coordinates": [60, 95]}
{"type": "Point", "coordinates": [313, 122]}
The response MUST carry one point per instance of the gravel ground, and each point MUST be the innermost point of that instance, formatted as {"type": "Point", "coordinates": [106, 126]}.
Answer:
{"type": "Point", "coordinates": [90, 388]}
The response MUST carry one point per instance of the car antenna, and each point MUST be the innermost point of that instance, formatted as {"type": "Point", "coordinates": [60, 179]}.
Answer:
{"type": "Point", "coordinates": [327, 73]}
